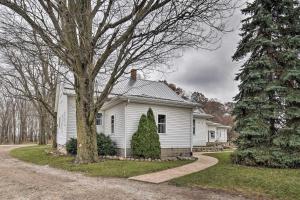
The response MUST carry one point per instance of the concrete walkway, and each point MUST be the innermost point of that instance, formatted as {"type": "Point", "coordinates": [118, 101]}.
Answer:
{"type": "Point", "coordinates": [202, 163]}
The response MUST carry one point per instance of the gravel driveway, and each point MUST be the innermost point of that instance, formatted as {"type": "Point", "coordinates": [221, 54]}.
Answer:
{"type": "Point", "coordinates": [19, 180]}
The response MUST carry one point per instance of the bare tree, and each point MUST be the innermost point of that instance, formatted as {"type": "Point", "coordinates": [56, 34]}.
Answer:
{"type": "Point", "coordinates": [108, 36]}
{"type": "Point", "coordinates": [31, 73]}
{"type": "Point", "coordinates": [17, 120]}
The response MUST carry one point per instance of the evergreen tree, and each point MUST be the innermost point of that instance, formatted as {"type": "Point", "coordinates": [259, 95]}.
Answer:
{"type": "Point", "coordinates": [263, 103]}
{"type": "Point", "coordinates": [145, 141]}
{"type": "Point", "coordinates": [153, 137]}
{"type": "Point", "coordinates": [139, 138]}
{"type": "Point", "coordinates": [288, 138]}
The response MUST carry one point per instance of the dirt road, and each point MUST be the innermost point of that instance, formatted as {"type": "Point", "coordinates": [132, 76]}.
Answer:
{"type": "Point", "coordinates": [19, 180]}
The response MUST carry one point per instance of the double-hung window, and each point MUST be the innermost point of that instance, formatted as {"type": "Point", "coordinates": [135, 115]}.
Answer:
{"type": "Point", "coordinates": [161, 124]}
{"type": "Point", "coordinates": [99, 119]}
{"type": "Point", "coordinates": [112, 121]}
{"type": "Point", "coordinates": [212, 134]}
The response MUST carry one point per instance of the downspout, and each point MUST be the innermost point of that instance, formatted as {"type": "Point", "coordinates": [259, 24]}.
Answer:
{"type": "Point", "coordinates": [125, 128]}
{"type": "Point", "coordinates": [191, 133]}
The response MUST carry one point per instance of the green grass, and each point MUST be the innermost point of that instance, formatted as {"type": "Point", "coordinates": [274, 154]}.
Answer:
{"type": "Point", "coordinates": [108, 168]}
{"type": "Point", "coordinates": [271, 183]}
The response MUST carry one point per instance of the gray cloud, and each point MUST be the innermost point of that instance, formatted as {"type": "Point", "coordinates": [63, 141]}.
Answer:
{"type": "Point", "coordinates": [210, 72]}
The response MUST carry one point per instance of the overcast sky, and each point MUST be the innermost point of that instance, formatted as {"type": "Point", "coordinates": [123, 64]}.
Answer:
{"type": "Point", "coordinates": [209, 72]}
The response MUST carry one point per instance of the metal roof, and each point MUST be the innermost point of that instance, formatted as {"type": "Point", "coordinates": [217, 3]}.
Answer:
{"type": "Point", "coordinates": [199, 112]}
{"type": "Point", "coordinates": [218, 125]}
{"type": "Point", "coordinates": [145, 88]}
{"type": "Point", "coordinates": [128, 87]}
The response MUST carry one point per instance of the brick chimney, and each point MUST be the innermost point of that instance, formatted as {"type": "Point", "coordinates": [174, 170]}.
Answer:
{"type": "Point", "coordinates": [133, 74]}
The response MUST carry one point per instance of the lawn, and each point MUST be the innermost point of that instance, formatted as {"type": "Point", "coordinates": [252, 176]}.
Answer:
{"type": "Point", "coordinates": [108, 168]}
{"type": "Point", "coordinates": [271, 183]}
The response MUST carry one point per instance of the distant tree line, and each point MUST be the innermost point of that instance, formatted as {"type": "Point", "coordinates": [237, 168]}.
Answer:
{"type": "Point", "coordinates": [19, 122]}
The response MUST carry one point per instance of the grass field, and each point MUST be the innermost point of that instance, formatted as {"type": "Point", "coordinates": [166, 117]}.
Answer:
{"type": "Point", "coordinates": [108, 168]}
{"type": "Point", "coordinates": [272, 183]}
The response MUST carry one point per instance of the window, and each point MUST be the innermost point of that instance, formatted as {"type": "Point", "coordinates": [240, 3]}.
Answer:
{"type": "Point", "coordinates": [99, 119]}
{"type": "Point", "coordinates": [112, 124]}
{"type": "Point", "coordinates": [161, 123]}
{"type": "Point", "coordinates": [219, 134]}
{"type": "Point", "coordinates": [194, 127]}
{"type": "Point", "coordinates": [212, 134]}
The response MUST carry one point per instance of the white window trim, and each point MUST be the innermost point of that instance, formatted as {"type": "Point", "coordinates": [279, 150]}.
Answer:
{"type": "Point", "coordinates": [165, 123]}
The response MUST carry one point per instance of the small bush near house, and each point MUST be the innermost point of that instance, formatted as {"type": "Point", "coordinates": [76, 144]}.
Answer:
{"type": "Point", "coordinates": [105, 145]}
{"type": "Point", "coordinates": [71, 146]}
{"type": "Point", "coordinates": [139, 138]}
{"type": "Point", "coordinates": [145, 141]}
{"type": "Point", "coordinates": [153, 137]}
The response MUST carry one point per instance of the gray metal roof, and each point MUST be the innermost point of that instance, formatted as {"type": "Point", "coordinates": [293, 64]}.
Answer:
{"type": "Point", "coordinates": [199, 112]}
{"type": "Point", "coordinates": [128, 87]}
{"type": "Point", "coordinates": [145, 88]}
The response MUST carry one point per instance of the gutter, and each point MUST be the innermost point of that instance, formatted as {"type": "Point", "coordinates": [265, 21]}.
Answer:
{"type": "Point", "coordinates": [157, 101]}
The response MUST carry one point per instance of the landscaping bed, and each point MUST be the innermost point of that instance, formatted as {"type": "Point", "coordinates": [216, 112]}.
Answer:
{"type": "Point", "coordinates": [108, 168]}
{"type": "Point", "coordinates": [255, 182]}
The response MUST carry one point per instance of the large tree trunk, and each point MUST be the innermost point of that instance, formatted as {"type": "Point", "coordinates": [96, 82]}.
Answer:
{"type": "Point", "coordinates": [54, 132]}
{"type": "Point", "coordinates": [42, 130]}
{"type": "Point", "coordinates": [86, 128]}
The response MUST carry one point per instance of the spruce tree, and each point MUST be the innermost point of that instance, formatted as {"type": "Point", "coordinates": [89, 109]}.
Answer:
{"type": "Point", "coordinates": [262, 103]}
{"type": "Point", "coordinates": [287, 140]}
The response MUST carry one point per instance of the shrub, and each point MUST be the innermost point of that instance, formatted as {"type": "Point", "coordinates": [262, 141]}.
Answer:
{"type": "Point", "coordinates": [71, 146]}
{"type": "Point", "coordinates": [139, 138]}
{"type": "Point", "coordinates": [145, 141]}
{"type": "Point", "coordinates": [105, 145]}
{"type": "Point", "coordinates": [153, 150]}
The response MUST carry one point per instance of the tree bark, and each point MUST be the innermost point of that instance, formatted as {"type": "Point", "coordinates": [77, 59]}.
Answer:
{"type": "Point", "coordinates": [42, 136]}
{"type": "Point", "coordinates": [86, 128]}
{"type": "Point", "coordinates": [54, 132]}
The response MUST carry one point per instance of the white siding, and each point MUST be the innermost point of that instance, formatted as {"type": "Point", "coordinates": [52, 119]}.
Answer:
{"type": "Point", "coordinates": [201, 132]}
{"type": "Point", "coordinates": [62, 115]}
{"type": "Point", "coordinates": [118, 111]}
{"type": "Point", "coordinates": [119, 114]}
{"type": "Point", "coordinates": [178, 122]}
{"type": "Point", "coordinates": [71, 130]}
{"type": "Point", "coordinates": [222, 134]}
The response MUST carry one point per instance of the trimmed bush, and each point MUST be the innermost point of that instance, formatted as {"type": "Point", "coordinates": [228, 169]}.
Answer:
{"type": "Point", "coordinates": [145, 141]}
{"type": "Point", "coordinates": [153, 137]}
{"type": "Point", "coordinates": [71, 146]}
{"type": "Point", "coordinates": [105, 146]}
{"type": "Point", "coordinates": [139, 138]}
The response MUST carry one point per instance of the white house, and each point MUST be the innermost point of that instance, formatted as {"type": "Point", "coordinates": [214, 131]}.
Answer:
{"type": "Point", "coordinates": [205, 131]}
{"type": "Point", "coordinates": [119, 117]}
